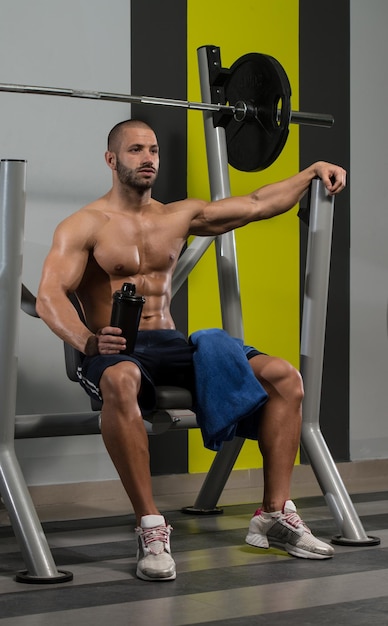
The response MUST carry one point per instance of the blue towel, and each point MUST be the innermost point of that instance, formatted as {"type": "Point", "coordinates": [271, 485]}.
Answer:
{"type": "Point", "coordinates": [228, 395]}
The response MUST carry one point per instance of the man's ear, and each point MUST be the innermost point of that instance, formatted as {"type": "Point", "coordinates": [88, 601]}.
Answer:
{"type": "Point", "coordinates": [110, 158]}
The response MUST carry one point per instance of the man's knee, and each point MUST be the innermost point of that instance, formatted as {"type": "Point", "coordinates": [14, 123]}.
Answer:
{"type": "Point", "coordinates": [120, 382]}
{"type": "Point", "coordinates": [288, 382]}
{"type": "Point", "coordinates": [282, 377]}
{"type": "Point", "coordinates": [293, 383]}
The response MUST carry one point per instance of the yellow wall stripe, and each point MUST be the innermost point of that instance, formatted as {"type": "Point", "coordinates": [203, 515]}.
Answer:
{"type": "Point", "coordinates": [268, 252]}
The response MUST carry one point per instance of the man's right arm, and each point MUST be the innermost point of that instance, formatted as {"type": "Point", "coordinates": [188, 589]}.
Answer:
{"type": "Point", "coordinates": [62, 272]}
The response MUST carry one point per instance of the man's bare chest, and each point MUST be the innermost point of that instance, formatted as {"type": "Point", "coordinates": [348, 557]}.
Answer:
{"type": "Point", "coordinates": [130, 247]}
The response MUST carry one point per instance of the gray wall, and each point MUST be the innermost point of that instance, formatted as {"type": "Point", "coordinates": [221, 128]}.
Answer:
{"type": "Point", "coordinates": [84, 45]}
{"type": "Point", "coordinates": [369, 231]}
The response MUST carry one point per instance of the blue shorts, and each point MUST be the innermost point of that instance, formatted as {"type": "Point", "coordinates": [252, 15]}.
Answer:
{"type": "Point", "coordinates": [164, 357]}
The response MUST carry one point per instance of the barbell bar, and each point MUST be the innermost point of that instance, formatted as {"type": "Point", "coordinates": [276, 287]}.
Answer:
{"type": "Point", "coordinates": [239, 110]}
{"type": "Point", "coordinates": [251, 100]}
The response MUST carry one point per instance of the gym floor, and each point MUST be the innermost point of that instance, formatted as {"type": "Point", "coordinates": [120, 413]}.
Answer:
{"type": "Point", "coordinates": [220, 580]}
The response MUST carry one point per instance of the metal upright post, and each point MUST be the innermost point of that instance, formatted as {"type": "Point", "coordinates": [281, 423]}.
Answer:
{"type": "Point", "coordinates": [25, 522]}
{"type": "Point", "coordinates": [217, 158]}
{"type": "Point", "coordinates": [312, 349]}
{"type": "Point", "coordinates": [189, 260]}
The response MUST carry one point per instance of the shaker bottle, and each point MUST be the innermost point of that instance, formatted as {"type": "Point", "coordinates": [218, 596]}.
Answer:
{"type": "Point", "coordinates": [126, 312]}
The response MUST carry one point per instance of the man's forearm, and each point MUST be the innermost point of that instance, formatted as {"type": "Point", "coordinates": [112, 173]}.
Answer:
{"type": "Point", "coordinates": [280, 197]}
{"type": "Point", "coordinates": [63, 320]}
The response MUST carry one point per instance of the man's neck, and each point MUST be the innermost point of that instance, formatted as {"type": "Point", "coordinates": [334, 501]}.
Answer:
{"type": "Point", "coordinates": [130, 196]}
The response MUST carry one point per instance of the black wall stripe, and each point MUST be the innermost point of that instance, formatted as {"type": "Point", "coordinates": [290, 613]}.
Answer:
{"type": "Point", "coordinates": [159, 68]}
{"type": "Point", "coordinates": [325, 87]}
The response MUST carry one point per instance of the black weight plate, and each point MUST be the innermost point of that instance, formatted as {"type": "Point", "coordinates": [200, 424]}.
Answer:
{"type": "Point", "coordinates": [256, 142]}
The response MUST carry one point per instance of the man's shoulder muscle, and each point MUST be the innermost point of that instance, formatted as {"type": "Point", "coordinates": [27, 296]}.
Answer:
{"type": "Point", "coordinates": [81, 225]}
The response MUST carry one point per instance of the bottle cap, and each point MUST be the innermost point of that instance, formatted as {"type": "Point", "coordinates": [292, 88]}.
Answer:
{"type": "Point", "coordinates": [129, 289]}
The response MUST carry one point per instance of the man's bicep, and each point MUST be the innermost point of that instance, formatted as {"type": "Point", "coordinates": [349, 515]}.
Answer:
{"type": "Point", "coordinates": [65, 263]}
{"type": "Point", "coordinates": [223, 215]}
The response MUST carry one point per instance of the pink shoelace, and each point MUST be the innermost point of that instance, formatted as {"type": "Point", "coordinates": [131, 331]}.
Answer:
{"type": "Point", "coordinates": [294, 520]}
{"type": "Point", "coordinates": [157, 534]}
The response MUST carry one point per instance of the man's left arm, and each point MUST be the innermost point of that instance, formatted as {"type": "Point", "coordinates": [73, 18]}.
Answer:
{"type": "Point", "coordinates": [274, 199]}
{"type": "Point", "coordinates": [280, 197]}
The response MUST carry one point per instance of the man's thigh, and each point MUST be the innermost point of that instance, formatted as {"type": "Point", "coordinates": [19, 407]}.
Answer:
{"type": "Point", "coordinates": [270, 369]}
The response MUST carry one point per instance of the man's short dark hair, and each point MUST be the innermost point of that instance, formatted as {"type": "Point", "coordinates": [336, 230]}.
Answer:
{"type": "Point", "coordinates": [114, 136]}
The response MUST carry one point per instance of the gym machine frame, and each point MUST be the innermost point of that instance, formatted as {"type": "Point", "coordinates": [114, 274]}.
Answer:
{"type": "Point", "coordinates": [36, 553]}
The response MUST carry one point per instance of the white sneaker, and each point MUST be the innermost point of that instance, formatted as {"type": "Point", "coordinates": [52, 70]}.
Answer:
{"type": "Point", "coordinates": [285, 530]}
{"type": "Point", "coordinates": [154, 560]}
